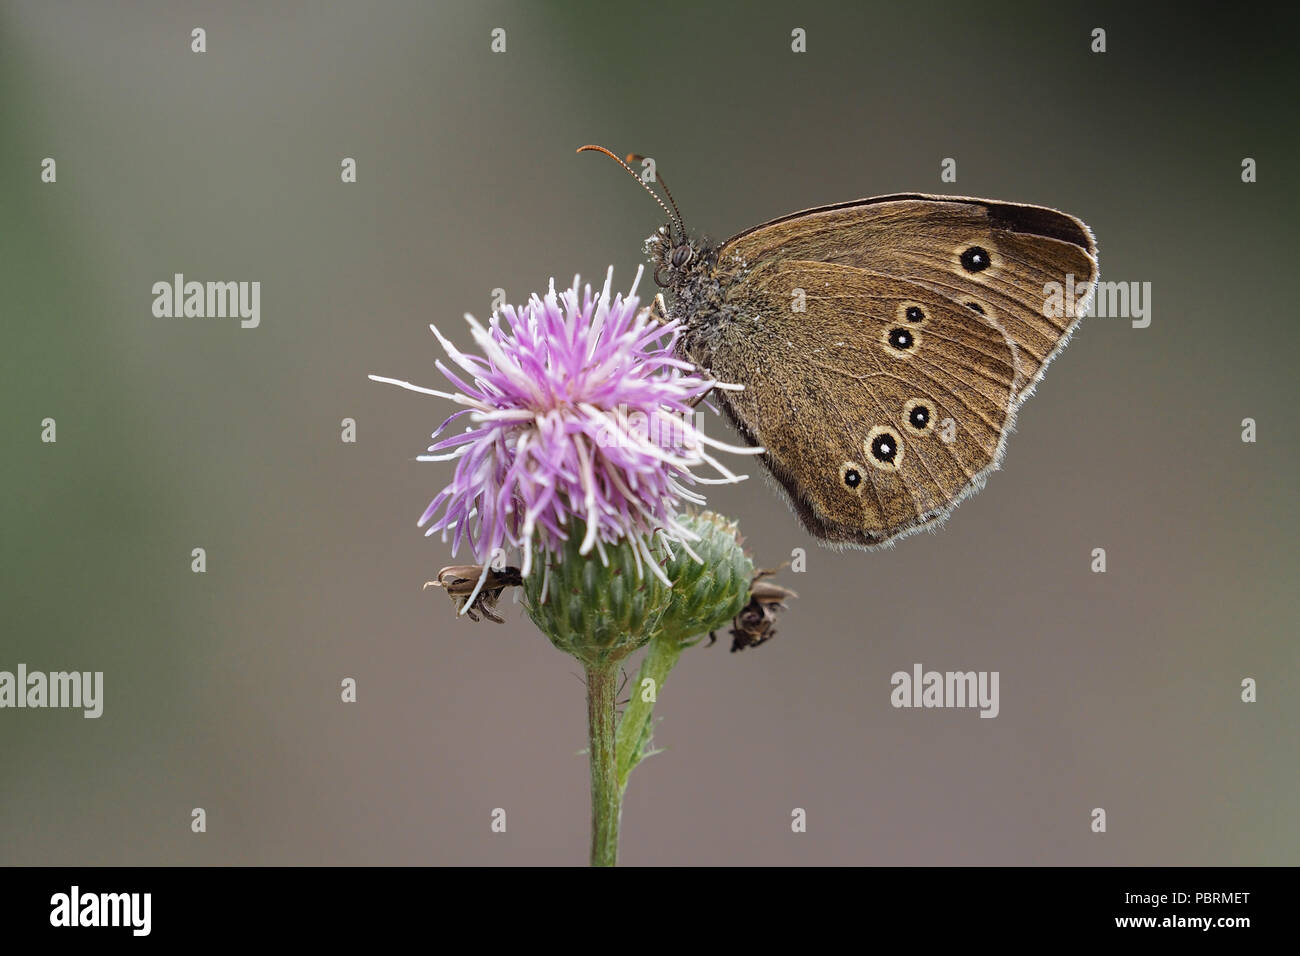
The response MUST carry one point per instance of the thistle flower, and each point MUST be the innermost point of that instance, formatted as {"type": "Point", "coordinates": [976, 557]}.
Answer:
{"type": "Point", "coordinates": [578, 408]}
{"type": "Point", "coordinates": [580, 439]}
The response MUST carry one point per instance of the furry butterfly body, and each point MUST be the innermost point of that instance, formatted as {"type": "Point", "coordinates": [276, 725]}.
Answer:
{"type": "Point", "coordinates": [884, 346]}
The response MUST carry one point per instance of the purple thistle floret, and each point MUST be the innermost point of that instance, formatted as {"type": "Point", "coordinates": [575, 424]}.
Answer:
{"type": "Point", "coordinates": [578, 408]}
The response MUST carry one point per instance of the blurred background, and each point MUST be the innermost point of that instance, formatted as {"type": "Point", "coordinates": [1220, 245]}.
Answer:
{"type": "Point", "coordinates": [222, 690]}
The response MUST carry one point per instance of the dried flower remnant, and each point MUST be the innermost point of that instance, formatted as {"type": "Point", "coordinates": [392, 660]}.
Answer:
{"type": "Point", "coordinates": [474, 591]}
{"type": "Point", "coordinates": [755, 624]}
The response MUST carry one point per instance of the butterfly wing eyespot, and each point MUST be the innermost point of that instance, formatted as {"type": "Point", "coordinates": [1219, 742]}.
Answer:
{"type": "Point", "coordinates": [918, 416]}
{"type": "Point", "coordinates": [901, 341]}
{"type": "Point", "coordinates": [911, 313]}
{"type": "Point", "coordinates": [851, 476]}
{"type": "Point", "coordinates": [974, 257]}
{"type": "Point", "coordinates": [883, 448]}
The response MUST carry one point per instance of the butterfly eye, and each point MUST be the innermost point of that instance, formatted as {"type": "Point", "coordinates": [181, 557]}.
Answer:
{"type": "Point", "coordinates": [851, 475]}
{"type": "Point", "coordinates": [681, 256]}
{"type": "Point", "coordinates": [975, 259]}
{"type": "Point", "coordinates": [901, 341]}
{"type": "Point", "coordinates": [917, 416]}
{"type": "Point", "coordinates": [884, 448]}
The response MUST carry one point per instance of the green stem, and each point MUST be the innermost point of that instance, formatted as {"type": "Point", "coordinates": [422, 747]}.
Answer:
{"type": "Point", "coordinates": [606, 794]}
{"type": "Point", "coordinates": [633, 730]}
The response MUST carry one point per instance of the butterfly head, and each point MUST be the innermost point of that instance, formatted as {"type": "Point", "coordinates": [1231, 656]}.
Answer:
{"type": "Point", "coordinates": [682, 264]}
{"type": "Point", "coordinates": [677, 258]}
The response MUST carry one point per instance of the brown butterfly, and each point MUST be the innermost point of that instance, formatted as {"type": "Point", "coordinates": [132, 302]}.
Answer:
{"type": "Point", "coordinates": [884, 344]}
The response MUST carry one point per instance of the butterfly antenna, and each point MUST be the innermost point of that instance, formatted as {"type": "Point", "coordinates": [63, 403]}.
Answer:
{"type": "Point", "coordinates": [673, 217]}
{"type": "Point", "coordinates": [636, 158]}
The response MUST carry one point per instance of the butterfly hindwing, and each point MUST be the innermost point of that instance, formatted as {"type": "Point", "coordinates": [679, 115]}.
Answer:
{"type": "Point", "coordinates": [897, 409]}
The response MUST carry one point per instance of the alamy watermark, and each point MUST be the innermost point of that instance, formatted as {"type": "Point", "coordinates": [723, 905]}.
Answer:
{"type": "Point", "coordinates": [1113, 300]}
{"type": "Point", "coordinates": [73, 689]}
{"type": "Point", "coordinates": [922, 688]}
{"type": "Point", "coordinates": [208, 300]}
{"type": "Point", "coordinates": [75, 908]}
{"type": "Point", "coordinates": [662, 428]}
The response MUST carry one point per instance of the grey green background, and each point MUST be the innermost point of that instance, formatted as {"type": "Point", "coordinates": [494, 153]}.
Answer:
{"type": "Point", "coordinates": [222, 690]}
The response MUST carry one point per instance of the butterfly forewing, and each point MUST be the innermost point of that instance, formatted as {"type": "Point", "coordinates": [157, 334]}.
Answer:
{"type": "Point", "coordinates": [899, 406]}
{"type": "Point", "coordinates": [1028, 268]}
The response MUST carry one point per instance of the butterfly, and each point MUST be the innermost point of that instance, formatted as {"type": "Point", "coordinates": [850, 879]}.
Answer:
{"type": "Point", "coordinates": [884, 345]}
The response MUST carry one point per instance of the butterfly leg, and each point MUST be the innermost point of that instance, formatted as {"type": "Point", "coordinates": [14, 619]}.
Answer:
{"type": "Point", "coordinates": [699, 398]}
{"type": "Point", "coordinates": [659, 309]}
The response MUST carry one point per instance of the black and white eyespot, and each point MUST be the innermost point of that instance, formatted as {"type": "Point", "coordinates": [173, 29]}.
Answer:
{"type": "Point", "coordinates": [851, 475]}
{"type": "Point", "coordinates": [977, 307]}
{"type": "Point", "coordinates": [901, 341]}
{"type": "Point", "coordinates": [913, 314]}
{"type": "Point", "coordinates": [975, 258]}
{"type": "Point", "coordinates": [918, 416]}
{"type": "Point", "coordinates": [884, 448]}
